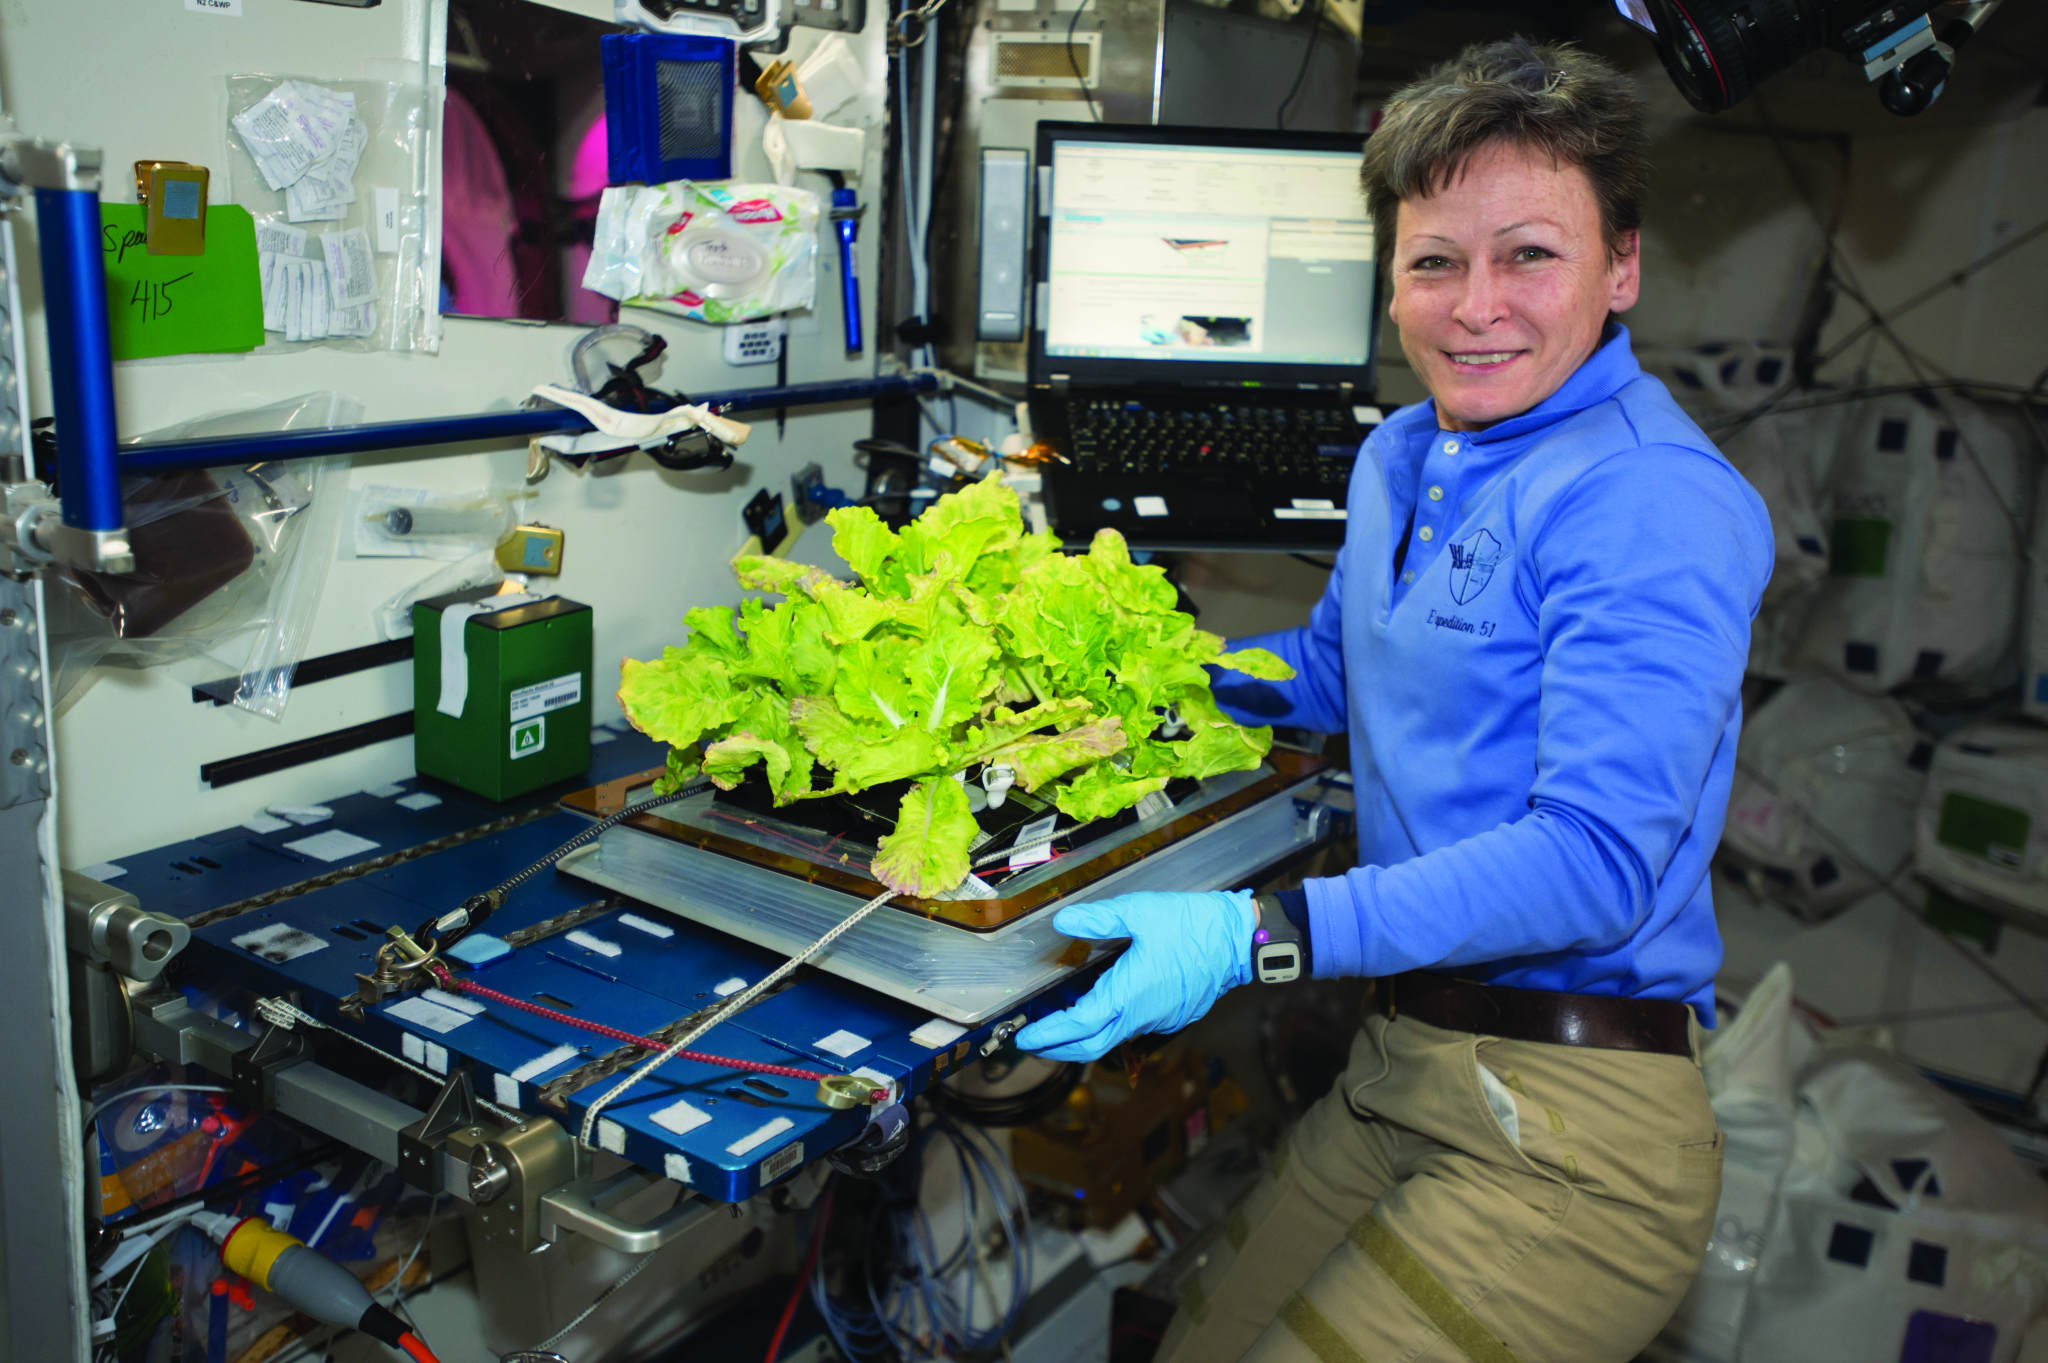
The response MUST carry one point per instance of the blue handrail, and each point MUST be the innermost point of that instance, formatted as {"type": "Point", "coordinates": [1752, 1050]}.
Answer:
{"type": "Point", "coordinates": [168, 456]}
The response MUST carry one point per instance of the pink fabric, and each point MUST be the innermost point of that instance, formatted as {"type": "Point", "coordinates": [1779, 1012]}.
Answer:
{"type": "Point", "coordinates": [477, 223]}
{"type": "Point", "coordinates": [592, 169]}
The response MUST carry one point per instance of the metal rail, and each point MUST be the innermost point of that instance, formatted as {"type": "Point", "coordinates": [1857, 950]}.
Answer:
{"type": "Point", "coordinates": [168, 456]}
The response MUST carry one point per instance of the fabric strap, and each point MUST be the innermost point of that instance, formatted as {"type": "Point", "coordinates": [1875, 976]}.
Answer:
{"type": "Point", "coordinates": [1428, 1293]}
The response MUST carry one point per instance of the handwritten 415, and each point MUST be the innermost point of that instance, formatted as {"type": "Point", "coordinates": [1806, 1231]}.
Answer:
{"type": "Point", "coordinates": [152, 298]}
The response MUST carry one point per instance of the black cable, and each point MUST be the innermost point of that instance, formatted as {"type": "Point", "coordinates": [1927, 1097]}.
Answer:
{"type": "Point", "coordinates": [1952, 280]}
{"type": "Point", "coordinates": [1014, 1109]}
{"type": "Point", "coordinates": [1086, 94]}
{"type": "Point", "coordinates": [1315, 28]}
{"type": "Point", "coordinates": [1314, 562]}
{"type": "Point", "coordinates": [479, 907]}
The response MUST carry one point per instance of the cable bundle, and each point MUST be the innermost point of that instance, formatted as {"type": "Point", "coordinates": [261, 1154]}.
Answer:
{"type": "Point", "coordinates": [919, 1302]}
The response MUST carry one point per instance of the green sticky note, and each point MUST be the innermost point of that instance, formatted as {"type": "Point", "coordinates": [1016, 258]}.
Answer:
{"type": "Point", "coordinates": [182, 305]}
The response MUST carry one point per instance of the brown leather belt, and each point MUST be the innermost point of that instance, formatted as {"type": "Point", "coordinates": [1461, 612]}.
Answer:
{"type": "Point", "coordinates": [1656, 1025]}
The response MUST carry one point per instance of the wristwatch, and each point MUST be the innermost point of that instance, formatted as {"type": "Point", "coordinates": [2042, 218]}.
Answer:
{"type": "Point", "coordinates": [1276, 944]}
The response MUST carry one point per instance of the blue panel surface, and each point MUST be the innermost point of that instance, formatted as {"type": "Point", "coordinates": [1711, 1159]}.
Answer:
{"type": "Point", "coordinates": [649, 983]}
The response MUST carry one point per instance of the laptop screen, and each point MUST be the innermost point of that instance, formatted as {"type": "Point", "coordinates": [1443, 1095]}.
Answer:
{"type": "Point", "coordinates": [1204, 255]}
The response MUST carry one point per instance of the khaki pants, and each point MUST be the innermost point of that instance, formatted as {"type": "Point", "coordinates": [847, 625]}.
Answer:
{"type": "Point", "coordinates": [1400, 1222]}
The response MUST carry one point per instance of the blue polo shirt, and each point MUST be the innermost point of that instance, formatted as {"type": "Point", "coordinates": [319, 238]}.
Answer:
{"type": "Point", "coordinates": [1543, 706]}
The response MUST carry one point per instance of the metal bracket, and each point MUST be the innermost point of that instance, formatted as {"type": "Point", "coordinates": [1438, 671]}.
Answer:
{"type": "Point", "coordinates": [420, 1145]}
{"type": "Point", "coordinates": [255, 1070]}
{"type": "Point", "coordinates": [511, 1173]}
{"type": "Point", "coordinates": [582, 1207]}
{"type": "Point", "coordinates": [37, 163]}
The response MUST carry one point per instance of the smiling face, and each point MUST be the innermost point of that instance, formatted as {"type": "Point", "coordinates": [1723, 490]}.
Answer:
{"type": "Point", "coordinates": [1503, 281]}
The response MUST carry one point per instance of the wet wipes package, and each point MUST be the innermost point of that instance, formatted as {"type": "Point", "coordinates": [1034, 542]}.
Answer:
{"type": "Point", "coordinates": [710, 252]}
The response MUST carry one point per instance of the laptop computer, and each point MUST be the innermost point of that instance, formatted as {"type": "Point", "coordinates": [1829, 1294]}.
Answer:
{"type": "Point", "coordinates": [1201, 345]}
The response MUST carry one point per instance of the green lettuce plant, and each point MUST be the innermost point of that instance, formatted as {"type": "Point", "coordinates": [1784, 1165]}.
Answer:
{"type": "Point", "coordinates": [964, 642]}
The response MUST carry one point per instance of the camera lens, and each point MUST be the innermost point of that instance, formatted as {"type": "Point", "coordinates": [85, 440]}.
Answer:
{"type": "Point", "coordinates": [1717, 51]}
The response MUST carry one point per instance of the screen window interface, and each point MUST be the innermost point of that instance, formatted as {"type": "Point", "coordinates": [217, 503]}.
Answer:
{"type": "Point", "coordinates": [1209, 254]}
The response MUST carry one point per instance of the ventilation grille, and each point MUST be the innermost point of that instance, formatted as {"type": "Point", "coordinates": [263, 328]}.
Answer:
{"type": "Point", "coordinates": [692, 112]}
{"type": "Point", "coordinates": [1033, 59]}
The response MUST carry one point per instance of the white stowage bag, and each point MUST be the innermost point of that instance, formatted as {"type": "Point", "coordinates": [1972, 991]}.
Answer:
{"type": "Point", "coordinates": [1982, 833]}
{"type": "Point", "coordinates": [1905, 1228]}
{"type": "Point", "coordinates": [1784, 455]}
{"type": "Point", "coordinates": [1825, 792]}
{"type": "Point", "coordinates": [1865, 1214]}
{"type": "Point", "coordinates": [1749, 1065]}
{"type": "Point", "coordinates": [1925, 519]}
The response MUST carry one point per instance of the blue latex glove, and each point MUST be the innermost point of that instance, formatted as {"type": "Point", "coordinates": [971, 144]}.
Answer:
{"type": "Point", "coordinates": [1186, 951]}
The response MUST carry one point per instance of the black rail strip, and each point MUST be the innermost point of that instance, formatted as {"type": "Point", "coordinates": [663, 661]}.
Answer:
{"type": "Point", "coordinates": [326, 667]}
{"type": "Point", "coordinates": [263, 761]}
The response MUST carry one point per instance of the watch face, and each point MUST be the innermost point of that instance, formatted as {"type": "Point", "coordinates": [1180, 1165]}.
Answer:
{"type": "Point", "coordinates": [1278, 963]}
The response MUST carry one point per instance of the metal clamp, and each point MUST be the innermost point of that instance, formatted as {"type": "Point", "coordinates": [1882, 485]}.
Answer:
{"type": "Point", "coordinates": [110, 926]}
{"type": "Point", "coordinates": [254, 1080]}
{"type": "Point", "coordinates": [420, 1145]}
{"type": "Point", "coordinates": [581, 1207]}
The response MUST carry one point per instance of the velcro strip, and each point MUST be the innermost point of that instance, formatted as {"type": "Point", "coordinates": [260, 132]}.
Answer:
{"type": "Point", "coordinates": [1317, 1335]}
{"type": "Point", "coordinates": [1428, 1293]}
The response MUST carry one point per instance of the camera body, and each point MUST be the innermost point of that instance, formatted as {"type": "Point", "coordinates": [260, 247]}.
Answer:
{"type": "Point", "coordinates": [1718, 51]}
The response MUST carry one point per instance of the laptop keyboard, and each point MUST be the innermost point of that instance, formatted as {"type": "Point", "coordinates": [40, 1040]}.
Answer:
{"type": "Point", "coordinates": [1115, 436]}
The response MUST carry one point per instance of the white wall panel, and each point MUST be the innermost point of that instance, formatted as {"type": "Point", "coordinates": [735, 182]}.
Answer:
{"type": "Point", "coordinates": [144, 78]}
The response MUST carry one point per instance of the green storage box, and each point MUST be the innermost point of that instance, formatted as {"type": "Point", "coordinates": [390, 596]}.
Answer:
{"type": "Point", "coordinates": [522, 685]}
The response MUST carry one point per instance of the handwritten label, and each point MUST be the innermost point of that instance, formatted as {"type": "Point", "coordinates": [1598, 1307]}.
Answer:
{"type": "Point", "coordinates": [181, 305]}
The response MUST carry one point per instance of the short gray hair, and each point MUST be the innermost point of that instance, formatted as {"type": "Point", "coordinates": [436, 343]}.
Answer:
{"type": "Point", "coordinates": [1549, 97]}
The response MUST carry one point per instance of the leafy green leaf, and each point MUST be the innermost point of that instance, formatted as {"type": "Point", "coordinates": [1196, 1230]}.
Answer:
{"type": "Point", "coordinates": [982, 518]}
{"type": "Point", "coordinates": [864, 753]}
{"type": "Point", "coordinates": [867, 545]}
{"type": "Point", "coordinates": [679, 699]}
{"type": "Point", "coordinates": [1103, 790]}
{"type": "Point", "coordinates": [1042, 757]}
{"type": "Point", "coordinates": [928, 854]}
{"type": "Point", "coordinates": [763, 734]}
{"type": "Point", "coordinates": [1256, 662]}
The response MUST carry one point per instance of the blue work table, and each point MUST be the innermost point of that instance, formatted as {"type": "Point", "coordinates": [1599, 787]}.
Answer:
{"type": "Point", "coordinates": [633, 979]}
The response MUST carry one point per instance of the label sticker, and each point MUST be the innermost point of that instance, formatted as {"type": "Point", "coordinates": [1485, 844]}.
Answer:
{"type": "Point", "coordinates": [1149, 506]}
{"type": "Point", "coordinates": [1305, 513]}
{"type": "Point", "coordinates": [1312, 504]}
{"type": "Point", "coordinates": [529, 737]}
{"type": "Point", "coordinates": [1032, 856]}
{"type": "Point", "coordinates": [542, 697]}
{"type": "Point", "coordinates": [281, 942]}
{"type": "Point", "coordinates": [385, 219]}
{"type": "Point", "coordinates": [781, 1162]}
